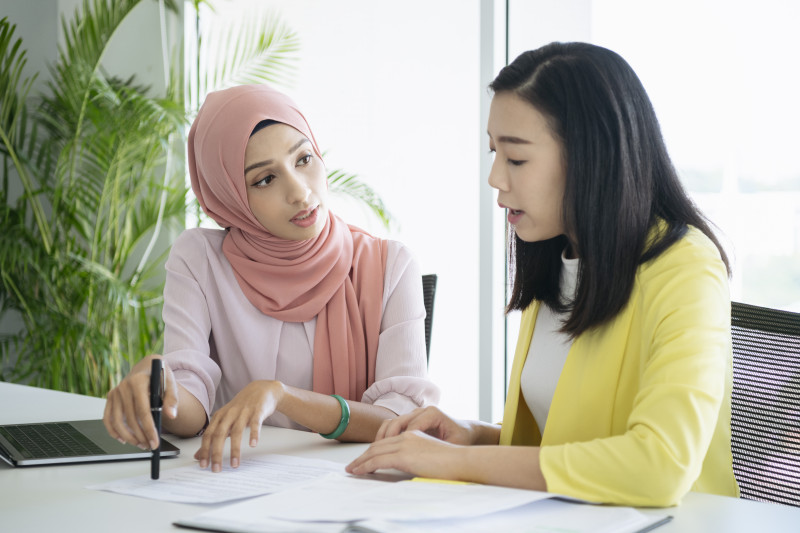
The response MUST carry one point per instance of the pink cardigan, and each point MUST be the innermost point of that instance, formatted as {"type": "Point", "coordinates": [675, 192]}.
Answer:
{"type": "Point", "coordinates": [217, 342]}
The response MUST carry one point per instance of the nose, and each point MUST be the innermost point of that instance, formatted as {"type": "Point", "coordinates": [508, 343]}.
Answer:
{"type": "Point", "coordinates": [298, 190]}
{"type": "Point", "coordinates": [498, 178]}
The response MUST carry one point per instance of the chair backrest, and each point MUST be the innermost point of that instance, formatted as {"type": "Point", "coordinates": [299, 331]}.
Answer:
{"type": "Point", "coordinates": [428, 293]}
{"type": "Point", "coordinates": [765, 404]}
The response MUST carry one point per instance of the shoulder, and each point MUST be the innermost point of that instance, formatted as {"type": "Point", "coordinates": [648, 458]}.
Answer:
{"type": "Point", "coordinates": [693, 253]}
{"type": "Point", "coordinates": [689, 275]}
{"type": "Point", "coordinates": [196, 241]}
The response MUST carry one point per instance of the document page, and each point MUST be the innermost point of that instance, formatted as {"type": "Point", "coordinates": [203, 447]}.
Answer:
{"type": "Point", "coordinates": [254, 477]}
{"type": "Point", "coordinates": [342, 498]}
{"type": "Point", "coordinates": [360, 505]}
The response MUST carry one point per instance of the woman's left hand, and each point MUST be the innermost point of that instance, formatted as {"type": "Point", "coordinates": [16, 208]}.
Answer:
{"type": "Point", "coordinates": [249, 408]}
{"type": "Point", "coordinates": [414, 452]}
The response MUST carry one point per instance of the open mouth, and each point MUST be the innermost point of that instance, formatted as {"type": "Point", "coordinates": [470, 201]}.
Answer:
{"type": "Point", "coordinates": [306, 214]}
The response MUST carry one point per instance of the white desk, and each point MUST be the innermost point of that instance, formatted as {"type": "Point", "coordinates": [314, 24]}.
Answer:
{"type": "Point", "coordinates": [45, 499]}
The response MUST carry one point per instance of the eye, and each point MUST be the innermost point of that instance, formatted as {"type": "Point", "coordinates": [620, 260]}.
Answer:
{"type": "Point", "coordinates": [306, 159]}
{"type": "Point", "coordinates": [516, 162]}
{"type": "Point", "coordinates": [263, 182]}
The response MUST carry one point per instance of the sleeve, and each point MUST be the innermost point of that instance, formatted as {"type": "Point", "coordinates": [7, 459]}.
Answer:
{"type": "Point", "coordinates": [187, 321]}
{"type": "Point", "coordinates": [401, 383]}
{"type": "Point", "coordinates": [683, 342]}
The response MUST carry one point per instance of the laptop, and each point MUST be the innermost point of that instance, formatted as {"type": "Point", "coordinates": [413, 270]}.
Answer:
{"type": "Point", "coordinates": [79, 441]}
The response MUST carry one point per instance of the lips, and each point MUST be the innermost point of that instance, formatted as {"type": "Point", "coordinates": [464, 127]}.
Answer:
{"type": "Point", "coordinates": [511, 211]}
{"type": "Point", "coordinates": [302, 215]}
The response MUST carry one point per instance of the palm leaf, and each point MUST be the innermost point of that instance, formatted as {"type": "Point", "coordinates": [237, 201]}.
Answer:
{"type": "Point", "coordinates": [256, 47]}
{"type": "Point", "coordinates": [341, 182]}
{"type": "Point", "coordinates": [13, 121]}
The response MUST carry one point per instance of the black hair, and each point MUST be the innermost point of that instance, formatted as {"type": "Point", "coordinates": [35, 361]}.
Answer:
{"type": "Point", "coordinates": [263, 124]}
{"type": "Point", "coordinates": [620, 181]}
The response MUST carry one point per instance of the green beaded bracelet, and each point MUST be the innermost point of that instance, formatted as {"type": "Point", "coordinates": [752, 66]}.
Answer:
{"type": "Point", "coordinates": [336, 433]}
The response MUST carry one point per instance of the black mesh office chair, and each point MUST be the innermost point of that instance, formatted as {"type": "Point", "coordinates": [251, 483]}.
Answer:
{"type": "Point", "coordinates": [428, 293]}
{"type": "Point", "coordinates": [765, 404]}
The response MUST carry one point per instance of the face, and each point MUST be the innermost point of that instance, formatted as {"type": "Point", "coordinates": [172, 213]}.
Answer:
{"type": "Point", "coordinates": [528, 170]}
{"type": "Point", "coordinates": [286, 183]}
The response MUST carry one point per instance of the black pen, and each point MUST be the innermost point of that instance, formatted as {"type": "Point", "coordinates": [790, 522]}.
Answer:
{"type": "Point", "coordinates": [156, 392]}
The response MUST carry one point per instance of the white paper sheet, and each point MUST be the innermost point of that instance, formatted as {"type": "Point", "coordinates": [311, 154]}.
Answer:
{"type": "Point", "coordinates": [254, 477]}
{"type": "Point", "coordinates": [342, 498]}
{"type": "Point", "coordinates": [339, 503]}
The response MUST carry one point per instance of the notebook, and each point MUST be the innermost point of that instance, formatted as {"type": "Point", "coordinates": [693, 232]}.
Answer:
{"type": "Point", "coordinates": [78, 441]}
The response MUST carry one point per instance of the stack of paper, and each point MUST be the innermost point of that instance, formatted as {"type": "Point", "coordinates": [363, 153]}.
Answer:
{"type": "Point", "coordinates": [316, 496]}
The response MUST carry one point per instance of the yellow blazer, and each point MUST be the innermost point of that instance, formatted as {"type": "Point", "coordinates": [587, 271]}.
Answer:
{"type": "Point", "coordinates": [641, 413]}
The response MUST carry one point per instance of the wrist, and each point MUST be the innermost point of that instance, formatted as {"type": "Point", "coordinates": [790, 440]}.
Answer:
{"type": "Point", "coordinates": [279, 393]}
{"type": "Point", "coordinates": [344, 419]}
{"type": "Point", "coordinates": [483, 433]}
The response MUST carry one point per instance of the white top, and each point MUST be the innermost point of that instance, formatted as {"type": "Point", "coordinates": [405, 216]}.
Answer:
{"type": "Point", "coordinates": [548, 350]}
{"type": "Point", "coordinates": [217, 342]}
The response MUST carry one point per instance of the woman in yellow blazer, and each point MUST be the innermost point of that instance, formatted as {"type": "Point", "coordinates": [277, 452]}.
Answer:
{"type": "Point", "coordinates": [620, 387]}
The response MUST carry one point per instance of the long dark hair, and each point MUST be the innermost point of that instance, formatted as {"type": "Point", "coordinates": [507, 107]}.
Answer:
{"type": "Point", "coordinates": [619, 181]}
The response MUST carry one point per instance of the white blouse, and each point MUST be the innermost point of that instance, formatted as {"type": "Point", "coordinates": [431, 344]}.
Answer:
{"type": "Point", "coordinates": [217, 342]}
{"type": "Point", "coordinates": [548, 350]}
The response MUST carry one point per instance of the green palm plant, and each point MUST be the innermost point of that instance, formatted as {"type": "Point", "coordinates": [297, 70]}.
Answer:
{"type": "Point", "coordinates": [90, 156]}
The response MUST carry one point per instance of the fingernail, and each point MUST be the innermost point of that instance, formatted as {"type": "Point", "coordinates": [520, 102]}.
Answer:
{"type": "Point", "coordinates": [253, 443]}
{"type": "Point", "coordinates": [216, 468]}
{"type": "Point", "coordinates": [235, 462]}
{"type": "Point", "coordinates": [174, 411]}
{"type": "Point", "coordinates": [203, 463]}
{"type": "Point", "coordinates": [121, 441]}
{"type": "Point", "coordinates": [153, 444]}
{"type": "Point", "coordinates": [141, 446]}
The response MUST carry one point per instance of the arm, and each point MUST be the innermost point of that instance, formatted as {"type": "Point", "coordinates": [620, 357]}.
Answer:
{"type": "Point", "coordinates": [318, 412]}
{"type": "Point", "coordinates": [187, 327]}
{"type": "Point", "coordinates": [127, 414]}
{"type": "Point", "coordinates": [429, 443]}
{"type": "Point", "coordinates": [401, 382]}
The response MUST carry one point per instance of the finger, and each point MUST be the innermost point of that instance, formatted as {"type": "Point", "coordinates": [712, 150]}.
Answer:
{"type": "Point", "coordinates": [396, 426]}
{"type": "Point", "coordinates": [236, 443]}
{"type": "Point", "coordinates": [377, 456]}
{"type": "Point", "coordinates": [255, 432]}
{"type": "Point", "coordinates": [201, 454]}
{"type": "Point", "coordinates": [108, 415]}
{"type": "Point", "coordinates": [429, 421]}
{"type": "Point", "coordinates": [119, 429]}
{"type": "Point", "coordinates": [381, 434]}
{"type": "Point", "coordinates": [170, 393]}
{"type": "Point", "coordinates": [219, 435]}
{"type": "Point", "coordinates": [144, 415]}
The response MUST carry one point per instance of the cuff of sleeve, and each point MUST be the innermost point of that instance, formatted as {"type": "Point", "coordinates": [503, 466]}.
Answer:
{"type": "Point", "coordinates": [402, 394]}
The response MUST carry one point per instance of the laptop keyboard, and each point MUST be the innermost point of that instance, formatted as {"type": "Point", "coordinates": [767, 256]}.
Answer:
{"type": "Point", "coordinates": [50, 440]}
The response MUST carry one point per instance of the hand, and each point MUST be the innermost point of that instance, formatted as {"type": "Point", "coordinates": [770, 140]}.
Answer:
{"type": "Point", "coordinates": [432, 421]}
{"type": "Point", "coordinates": [249, 408]}
{"type": "Point", "coordinates": [414, 452]}
{"type": "Point", "coordinates": [127, 415]}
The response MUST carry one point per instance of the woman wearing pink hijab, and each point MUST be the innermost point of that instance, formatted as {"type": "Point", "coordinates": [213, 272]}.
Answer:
{"type": "Point", "coordinates": [288, 316]}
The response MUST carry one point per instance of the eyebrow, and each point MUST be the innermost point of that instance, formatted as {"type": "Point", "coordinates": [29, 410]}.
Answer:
{"type": "Point", "coordinates": [512, 140]}
{"type": "Point", "coordinates": [270, 161]}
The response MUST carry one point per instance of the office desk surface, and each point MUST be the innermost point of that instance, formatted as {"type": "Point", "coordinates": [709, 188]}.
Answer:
{"type": "Point", "coordinates": [54, 498]}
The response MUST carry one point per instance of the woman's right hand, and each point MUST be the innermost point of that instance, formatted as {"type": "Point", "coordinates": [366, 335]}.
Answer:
{"type": "Point", "coordinates": [127, 416]}
{"type": "Point", "coordinates": [434, 422]}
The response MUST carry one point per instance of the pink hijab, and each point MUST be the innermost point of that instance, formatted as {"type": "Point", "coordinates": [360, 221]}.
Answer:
{"type": "Point", "coordinates": [336, 276]}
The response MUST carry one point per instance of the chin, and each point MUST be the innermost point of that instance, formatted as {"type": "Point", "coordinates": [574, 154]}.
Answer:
{"type": "Point", "coordinates": [535, 236]}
